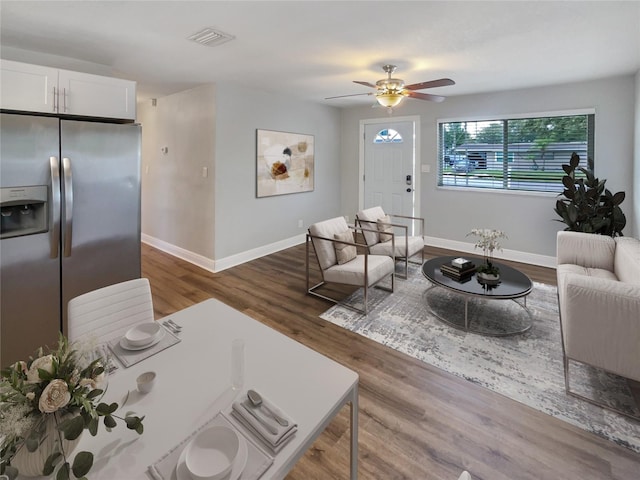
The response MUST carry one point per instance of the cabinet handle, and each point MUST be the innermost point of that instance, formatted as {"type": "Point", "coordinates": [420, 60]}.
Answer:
{"type": "Point", "coordinates": [64, 100]}
{"type": "Point", "coordinates": [55, 96]}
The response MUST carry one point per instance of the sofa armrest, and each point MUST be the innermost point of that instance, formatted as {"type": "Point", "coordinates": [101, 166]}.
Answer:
{"type": "Point", "coordinates": [588, 250]}
{"type": "Point", "coordinates": [601, 323]}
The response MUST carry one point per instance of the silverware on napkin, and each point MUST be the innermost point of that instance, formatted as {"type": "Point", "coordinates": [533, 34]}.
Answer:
{"type": "Point", "coordinates": [264, 421]}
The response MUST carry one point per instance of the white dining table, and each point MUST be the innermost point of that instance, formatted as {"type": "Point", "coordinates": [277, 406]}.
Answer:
{"type": "Point", "coordinates": [194, 383]}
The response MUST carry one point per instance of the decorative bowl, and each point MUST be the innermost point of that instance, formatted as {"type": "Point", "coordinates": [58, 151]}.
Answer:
{"type": "Point", "coordinates": [211, 453]}
{"type": "Point", "coordinates": [142, 333]}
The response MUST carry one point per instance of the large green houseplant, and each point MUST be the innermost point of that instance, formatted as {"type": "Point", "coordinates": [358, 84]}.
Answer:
{"type": "Point", "coordinates": [587, 205]}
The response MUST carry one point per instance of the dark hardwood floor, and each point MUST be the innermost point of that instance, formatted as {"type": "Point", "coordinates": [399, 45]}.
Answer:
{"type": "Point", "coordinates": [416, 421]}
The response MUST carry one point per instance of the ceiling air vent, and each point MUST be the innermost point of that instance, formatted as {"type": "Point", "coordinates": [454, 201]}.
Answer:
{"type": "Point", "coordinates": [210, 37]}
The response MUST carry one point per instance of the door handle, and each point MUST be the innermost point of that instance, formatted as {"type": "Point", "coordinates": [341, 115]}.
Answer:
{"type": "Point", "coordinates": [409, 190]}
{"type": "Point", "coordinates": [67, 177]}
{"type": "Point", "coordinates": [54, 232]}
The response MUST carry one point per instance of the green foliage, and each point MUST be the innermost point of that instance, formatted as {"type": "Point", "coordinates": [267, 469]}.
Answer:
{"type": "Point", "coordinates": [23, 423]}
{"type": "Point", "coordinates": [588, 206]}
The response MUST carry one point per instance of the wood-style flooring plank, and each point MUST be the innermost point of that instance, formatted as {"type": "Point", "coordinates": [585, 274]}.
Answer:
{"type": "Point", "coordinates": [416, 421]}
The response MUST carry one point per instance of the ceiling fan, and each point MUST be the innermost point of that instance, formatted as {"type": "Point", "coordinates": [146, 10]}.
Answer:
{"type": "Point", "coordinates": [391, 91]}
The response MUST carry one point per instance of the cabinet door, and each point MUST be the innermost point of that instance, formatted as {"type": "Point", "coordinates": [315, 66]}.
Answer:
{"type": "Point", "coordinates": [28, 88]}
{"type": "Point", "coordinates": [96, 96]}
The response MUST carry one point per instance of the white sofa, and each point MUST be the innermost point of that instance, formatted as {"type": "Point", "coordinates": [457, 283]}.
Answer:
{"type": "Point", "coordinates": [599, 298]}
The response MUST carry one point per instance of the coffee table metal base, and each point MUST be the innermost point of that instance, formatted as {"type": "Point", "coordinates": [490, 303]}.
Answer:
{"type": "Point", "coordinates": [516, 325]}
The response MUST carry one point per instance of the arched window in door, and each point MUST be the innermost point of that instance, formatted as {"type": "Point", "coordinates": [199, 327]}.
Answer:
{"type": "Point", "coordinates": [388, 135]}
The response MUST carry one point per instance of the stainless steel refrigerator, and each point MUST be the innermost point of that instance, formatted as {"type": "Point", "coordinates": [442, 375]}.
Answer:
{"type": "Point", "coordinates": [70, 221]}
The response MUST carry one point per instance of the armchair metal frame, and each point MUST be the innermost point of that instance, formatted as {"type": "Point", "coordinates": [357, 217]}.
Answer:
{"type": "Point", "coordinates": [360, 221]}
{"type": "Point", "coordinates": [365, 286]}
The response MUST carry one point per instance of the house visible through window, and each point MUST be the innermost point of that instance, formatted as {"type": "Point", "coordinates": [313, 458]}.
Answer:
{"type": "Point", "coordinates": [388, 136]}
{"type": "Point", "coordinates": [513, 153]}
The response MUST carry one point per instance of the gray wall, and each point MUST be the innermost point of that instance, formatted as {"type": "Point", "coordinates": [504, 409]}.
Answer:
{"type": "Point", "coordinates": [244, 222]}
{"type": "Point", "coordinates": [528, 219]}
{"type": "Point", "coordinates": [177, 200]}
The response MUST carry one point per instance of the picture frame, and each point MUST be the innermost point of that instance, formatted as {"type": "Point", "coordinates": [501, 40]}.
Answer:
{"type": "Point", "coordinates": [284, 163]}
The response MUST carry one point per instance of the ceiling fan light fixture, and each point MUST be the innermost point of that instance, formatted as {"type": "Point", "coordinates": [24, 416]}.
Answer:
{"type": "Point", "coordinates": [389, 99]}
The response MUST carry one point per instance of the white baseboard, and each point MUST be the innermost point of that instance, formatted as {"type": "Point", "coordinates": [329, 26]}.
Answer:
{"type": "Point", "coordinates": [240, 258]}
{"type": "Point", "coordinates": [223, 263]}
{"type": "Point", "coordinates": [513, 255]}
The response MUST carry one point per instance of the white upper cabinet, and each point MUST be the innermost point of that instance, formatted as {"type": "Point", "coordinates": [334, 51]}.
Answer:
{"type": "Point", "coordinates": [33, 88]}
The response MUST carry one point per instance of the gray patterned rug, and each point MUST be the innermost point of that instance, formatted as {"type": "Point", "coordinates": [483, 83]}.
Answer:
{"type": "Point", "coordinates": [526, 367]}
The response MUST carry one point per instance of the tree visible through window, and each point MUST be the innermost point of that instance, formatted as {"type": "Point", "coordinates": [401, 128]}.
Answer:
{"type": "Point", "coordinates": [512, 154]}
{"type": "Point", "coordinates": [388, 136]}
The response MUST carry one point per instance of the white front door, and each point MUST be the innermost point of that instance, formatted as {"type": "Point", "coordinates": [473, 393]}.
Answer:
{"type": "Point", "coordinates": [389, 175]}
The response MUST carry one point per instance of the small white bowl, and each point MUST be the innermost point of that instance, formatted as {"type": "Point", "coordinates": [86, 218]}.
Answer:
{"type": "Point", "coordinates": [210, 455]}
{"type": "Point", "coordinates": [142, 333]}
{"type": "Point", "coordinates": [146, 381]}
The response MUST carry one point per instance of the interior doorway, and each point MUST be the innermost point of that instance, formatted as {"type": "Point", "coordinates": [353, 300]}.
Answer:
{"type": "Point", "coordinates": [389, 173]}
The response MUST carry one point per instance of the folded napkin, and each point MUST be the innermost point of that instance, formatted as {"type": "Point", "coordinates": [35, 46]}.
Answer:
{"type": "Point", "coordinates": [258, 461]}
{"type": "Point", "coordinates": [246, 414]}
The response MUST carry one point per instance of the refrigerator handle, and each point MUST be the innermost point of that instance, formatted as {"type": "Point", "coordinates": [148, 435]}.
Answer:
{"type": "Point", "coordinates": [67, 179]}
{"type": "Point", "coordinates": [54, 231]}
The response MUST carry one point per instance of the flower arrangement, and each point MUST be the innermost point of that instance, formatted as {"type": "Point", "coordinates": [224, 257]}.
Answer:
{"type": "Point", "coordinates": [62, 388]}
{"type": "Point", "coordinates": [488, 241]}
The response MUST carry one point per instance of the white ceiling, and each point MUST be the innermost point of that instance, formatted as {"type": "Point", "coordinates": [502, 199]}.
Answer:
{"type": "Point", "coordinates": [315, 49]}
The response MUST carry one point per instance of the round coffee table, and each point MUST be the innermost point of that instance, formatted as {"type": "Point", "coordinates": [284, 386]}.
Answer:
{"type": "Point", "coordinates": [485, 320]}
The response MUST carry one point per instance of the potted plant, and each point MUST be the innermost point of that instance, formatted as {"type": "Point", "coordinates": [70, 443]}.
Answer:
{"type": "Point", "coordinates": [488, 241]}
{"type": "Point", "coordinates": [587, 205]}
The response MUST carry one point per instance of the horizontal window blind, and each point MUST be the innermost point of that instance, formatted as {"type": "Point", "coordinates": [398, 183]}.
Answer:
{"type": "Point", "coordinates": [513, 154]}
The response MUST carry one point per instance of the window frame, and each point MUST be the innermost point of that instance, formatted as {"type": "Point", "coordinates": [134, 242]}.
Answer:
{"type": "Point", "coordinates": [590, 147]}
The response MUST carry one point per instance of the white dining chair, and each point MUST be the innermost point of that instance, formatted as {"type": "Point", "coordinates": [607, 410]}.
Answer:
{"type": "Point", "coordinates": [110, 311]}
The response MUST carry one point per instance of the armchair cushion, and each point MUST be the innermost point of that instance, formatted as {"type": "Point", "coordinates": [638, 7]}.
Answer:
{"type": "Point", "coordinates": [414, 244]}
{"type": "Point", "coordinates": [369, 219]}
{"type": "Point", "coordinates": [627, 260]}
{"type": "Point", "coordinates": [352, 273]}
{"type": "Point", "coordinates": [345, 253]}
{"type": "Point", "coordinates": [385, 228]}
{"type": "Point", "coordinates": [325, 250]}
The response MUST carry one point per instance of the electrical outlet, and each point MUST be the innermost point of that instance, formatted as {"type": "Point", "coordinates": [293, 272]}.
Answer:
{"type": "Point", "coordinates": [205, 172]}
{"type": "Point", "coordinates": [300, 224]}
{"type": "Point", "coordinates": [425, 168]}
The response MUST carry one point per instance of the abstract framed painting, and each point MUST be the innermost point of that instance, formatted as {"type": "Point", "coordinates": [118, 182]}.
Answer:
{"type": "Point", "coordinates": [284, 163]}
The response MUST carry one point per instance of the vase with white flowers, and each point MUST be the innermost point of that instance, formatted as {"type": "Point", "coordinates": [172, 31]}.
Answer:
{"type": "Point", "coordinates": [45, 405]}
{"type": "Point", "coordinates": [488, 241]}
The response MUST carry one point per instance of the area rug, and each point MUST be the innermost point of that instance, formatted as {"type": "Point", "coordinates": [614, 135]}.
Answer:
{"type": "Point", "coordinates": [526, 367]}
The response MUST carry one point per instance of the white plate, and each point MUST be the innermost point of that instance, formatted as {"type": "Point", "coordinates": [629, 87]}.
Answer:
{"type": "Point", "coordinates": [142, 334]}
{"type": "Point", "coordinates": [182, 473]}
{"type": "Point", "coordinates": [125, 344]}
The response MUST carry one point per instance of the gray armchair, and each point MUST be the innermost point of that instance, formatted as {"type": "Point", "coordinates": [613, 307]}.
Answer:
{"type": "Point", "coordinates": [337, 254]}
{"type": "Point", "coordinates": [377, 228]}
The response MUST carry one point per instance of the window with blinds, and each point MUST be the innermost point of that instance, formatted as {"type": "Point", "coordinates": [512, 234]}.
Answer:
{"type": "Point", "coordinates": [513, 153]}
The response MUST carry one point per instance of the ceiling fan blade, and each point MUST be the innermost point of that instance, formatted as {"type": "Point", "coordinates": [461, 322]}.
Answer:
{"type": "Point", "coordinates": [443, 82]}
{"type": "Point", "coordinates": [350, 95]}
{"type": "Point", "coordinates": [366, 84]}
{"type": "Point", "coordinates": [425, 96]}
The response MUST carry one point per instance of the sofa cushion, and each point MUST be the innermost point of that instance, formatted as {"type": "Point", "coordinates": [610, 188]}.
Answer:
{"type": "Point", "coordinates": [415, 244]}
{"type": "Point", "coordinates": [627, 260]}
